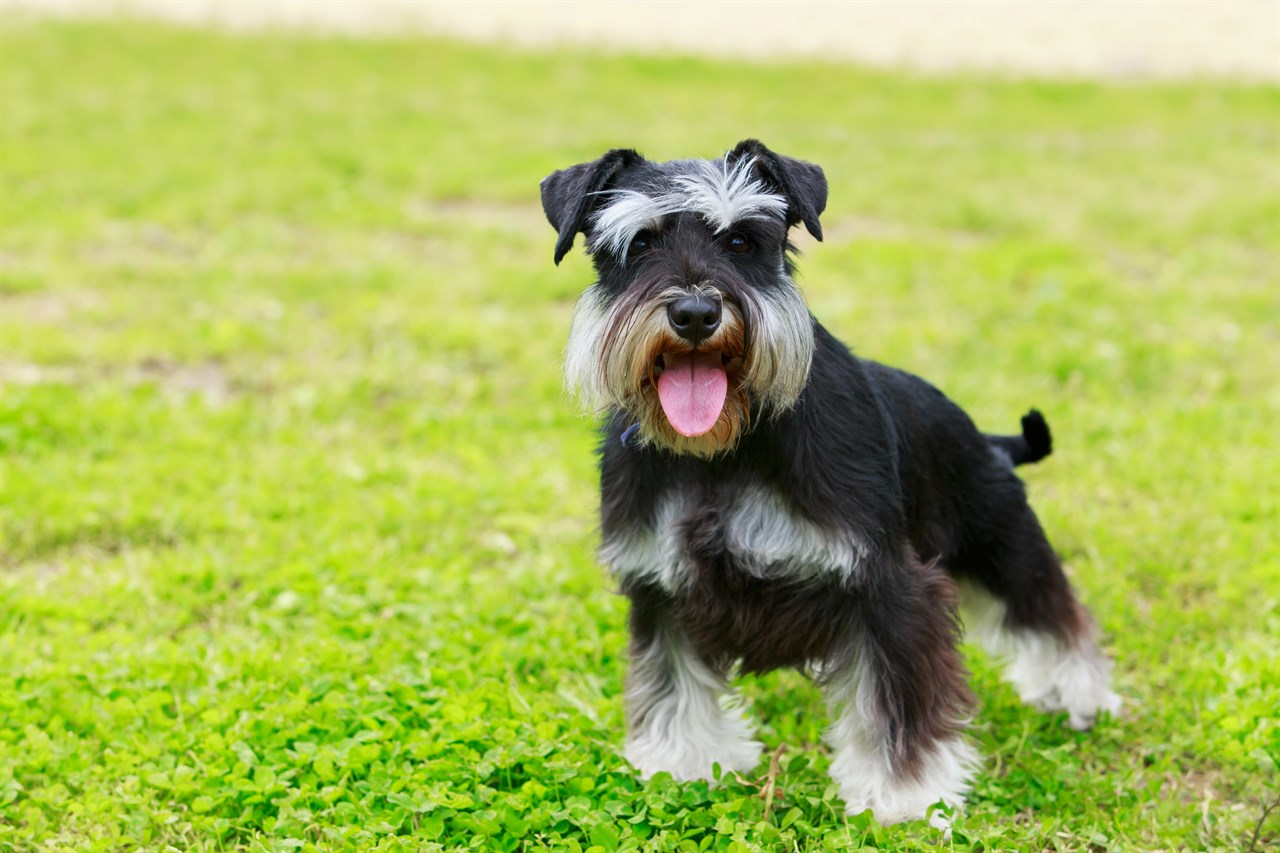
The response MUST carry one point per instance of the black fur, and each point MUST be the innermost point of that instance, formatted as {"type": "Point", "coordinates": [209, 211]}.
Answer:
{"type": "Point", "coordinates": [867, 452]}
{"type": "Point", "coordinates": [803, 184]}
{"type": "Point", "coordinates": [881, 453]}
{"type": "Point", "coordinates": [1035, 443]}
{"type": "Point", "coordinates": [570, 195]}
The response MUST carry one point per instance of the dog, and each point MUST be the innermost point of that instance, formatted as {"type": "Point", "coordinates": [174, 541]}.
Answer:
{"type": "Point", "coordinates": [770, 500]}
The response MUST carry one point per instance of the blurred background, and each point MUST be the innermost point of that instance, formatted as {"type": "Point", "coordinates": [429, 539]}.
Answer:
{"type": "Point", "coordinates": [297, 526]}
{"type": "Point", "coordinates": [1137, 38]}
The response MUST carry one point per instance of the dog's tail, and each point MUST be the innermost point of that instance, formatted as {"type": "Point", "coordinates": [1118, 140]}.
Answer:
{"type": "Point", "coordinates": [1035, 443]}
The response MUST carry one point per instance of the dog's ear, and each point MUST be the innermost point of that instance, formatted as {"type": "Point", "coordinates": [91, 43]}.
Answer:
{"type": "Point", "coordinates": [802, 184]}
{"type": "Point", "coordinates": [570, 195]}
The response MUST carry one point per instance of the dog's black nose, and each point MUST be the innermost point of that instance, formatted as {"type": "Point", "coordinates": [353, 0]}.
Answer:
{"type": "Point", "coordinates": [694, 317]}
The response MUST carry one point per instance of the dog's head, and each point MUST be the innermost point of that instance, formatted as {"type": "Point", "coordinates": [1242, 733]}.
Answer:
{"type": "Point", "coordinates": [694, 324]}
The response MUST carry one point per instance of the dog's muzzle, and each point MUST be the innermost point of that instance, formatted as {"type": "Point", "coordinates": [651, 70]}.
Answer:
{"type": "Point", "coordinates": [693, 383]}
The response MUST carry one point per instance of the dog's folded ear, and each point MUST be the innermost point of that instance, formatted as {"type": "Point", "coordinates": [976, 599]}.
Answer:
{"type": "Point", "coordinates": [802, 184]}
{"type": "Point", "coordinates": [570, 195]}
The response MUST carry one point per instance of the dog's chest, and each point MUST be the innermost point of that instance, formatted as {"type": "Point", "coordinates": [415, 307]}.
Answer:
{"type": "Point", "coordinates": [750, 531]}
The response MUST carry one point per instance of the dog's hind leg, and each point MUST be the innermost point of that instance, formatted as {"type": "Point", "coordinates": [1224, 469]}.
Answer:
{"type": "Point", "coordinates": [682, 716]}
{"type": "Point", "coordinates": [900, 699]}
{"type": "Point", "coordinates": [1017, 604]}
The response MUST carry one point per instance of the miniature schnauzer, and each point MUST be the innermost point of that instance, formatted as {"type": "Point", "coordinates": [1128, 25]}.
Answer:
{"type": "Point", "coordinates": [770, 500]}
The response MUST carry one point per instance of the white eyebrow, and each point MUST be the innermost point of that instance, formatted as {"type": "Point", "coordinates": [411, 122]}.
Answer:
{"type": "Point", "coordinates": [629, 213]}
{"type": "Point", "coordinates": [723, 195]}
{"type": "Point", "coordinates": [719, 194]}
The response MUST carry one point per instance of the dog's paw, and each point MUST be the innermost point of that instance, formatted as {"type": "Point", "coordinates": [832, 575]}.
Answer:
{"type": "Point", "coordinates": [1053, 678]}
{"type": "Point", "coordinates": [1083, 711]}
{"type": "Point", "coordinates": [937, 817]}
{"type": "Point", "coordinates": [687, 760]}
{"type": "Point", "coordinates": [866, 782]}
{"type": "Point", "coordinates": [1077, 683]}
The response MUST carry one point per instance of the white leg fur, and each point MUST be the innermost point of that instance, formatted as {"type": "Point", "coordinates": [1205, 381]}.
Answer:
{"type": "Point", "coordinates": [863, 768]}
{"type": "Point", "coordinates": [1047, 673]}
{"type": "Point", "coordinates": [686, 719]}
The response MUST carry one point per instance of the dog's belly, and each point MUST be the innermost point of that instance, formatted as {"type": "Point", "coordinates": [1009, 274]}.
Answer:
{"type": "Point", "coordinates": [753, 534]}
{"type": "Point", "coordinates": [767, 624]}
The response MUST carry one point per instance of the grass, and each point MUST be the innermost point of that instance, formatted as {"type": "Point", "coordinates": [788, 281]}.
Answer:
{"type": "Point", "coordinates": [296, 524]}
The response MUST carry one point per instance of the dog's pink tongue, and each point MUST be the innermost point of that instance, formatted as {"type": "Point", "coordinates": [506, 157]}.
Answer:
{"type": "Point", "coordinates": [692, 388]}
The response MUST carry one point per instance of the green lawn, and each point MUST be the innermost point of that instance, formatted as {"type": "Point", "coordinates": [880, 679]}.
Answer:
{"type": "Point", "coordinates": [297, 525]}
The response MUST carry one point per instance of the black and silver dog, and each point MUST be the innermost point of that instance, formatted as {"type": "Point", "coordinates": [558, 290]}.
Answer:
{"type": "Point", "coordinates": [769, 500]}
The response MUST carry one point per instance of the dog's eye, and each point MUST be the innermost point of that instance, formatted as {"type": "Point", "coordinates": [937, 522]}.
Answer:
{"type": "Point", "coordinates": [640, 244]}
{"type": "Point", "coordinates": [738, 243]}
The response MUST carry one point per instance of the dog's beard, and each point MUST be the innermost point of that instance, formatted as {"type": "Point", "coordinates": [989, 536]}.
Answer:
{"type": "Point", "coordinates": [618, 351]}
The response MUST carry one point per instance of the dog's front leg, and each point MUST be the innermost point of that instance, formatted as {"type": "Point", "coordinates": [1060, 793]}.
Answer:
{"type": "Point", "coordinates": [681, 712]}
{"type": "Point", "coordinates": [900, 698]}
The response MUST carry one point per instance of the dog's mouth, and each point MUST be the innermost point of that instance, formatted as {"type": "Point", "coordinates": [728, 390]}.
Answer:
{"type": "Point", "coordinates": [692, 387]}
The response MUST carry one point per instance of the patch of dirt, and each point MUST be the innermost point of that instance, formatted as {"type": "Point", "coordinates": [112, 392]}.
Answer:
{"type": "Point", "coordinates": [47, 306]}
{"type": "Point", "coordinates": [207, 379]}
{"type": "Point", "coordinates": [25, 373]}
{"type": "Point", "coordinates": [482, 213]}
{"type": "Point", "coordinates": [1125, 39]}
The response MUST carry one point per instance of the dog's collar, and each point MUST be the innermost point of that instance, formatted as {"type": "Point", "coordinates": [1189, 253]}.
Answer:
{"type": "Point", "coordinates": [629, 433]}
